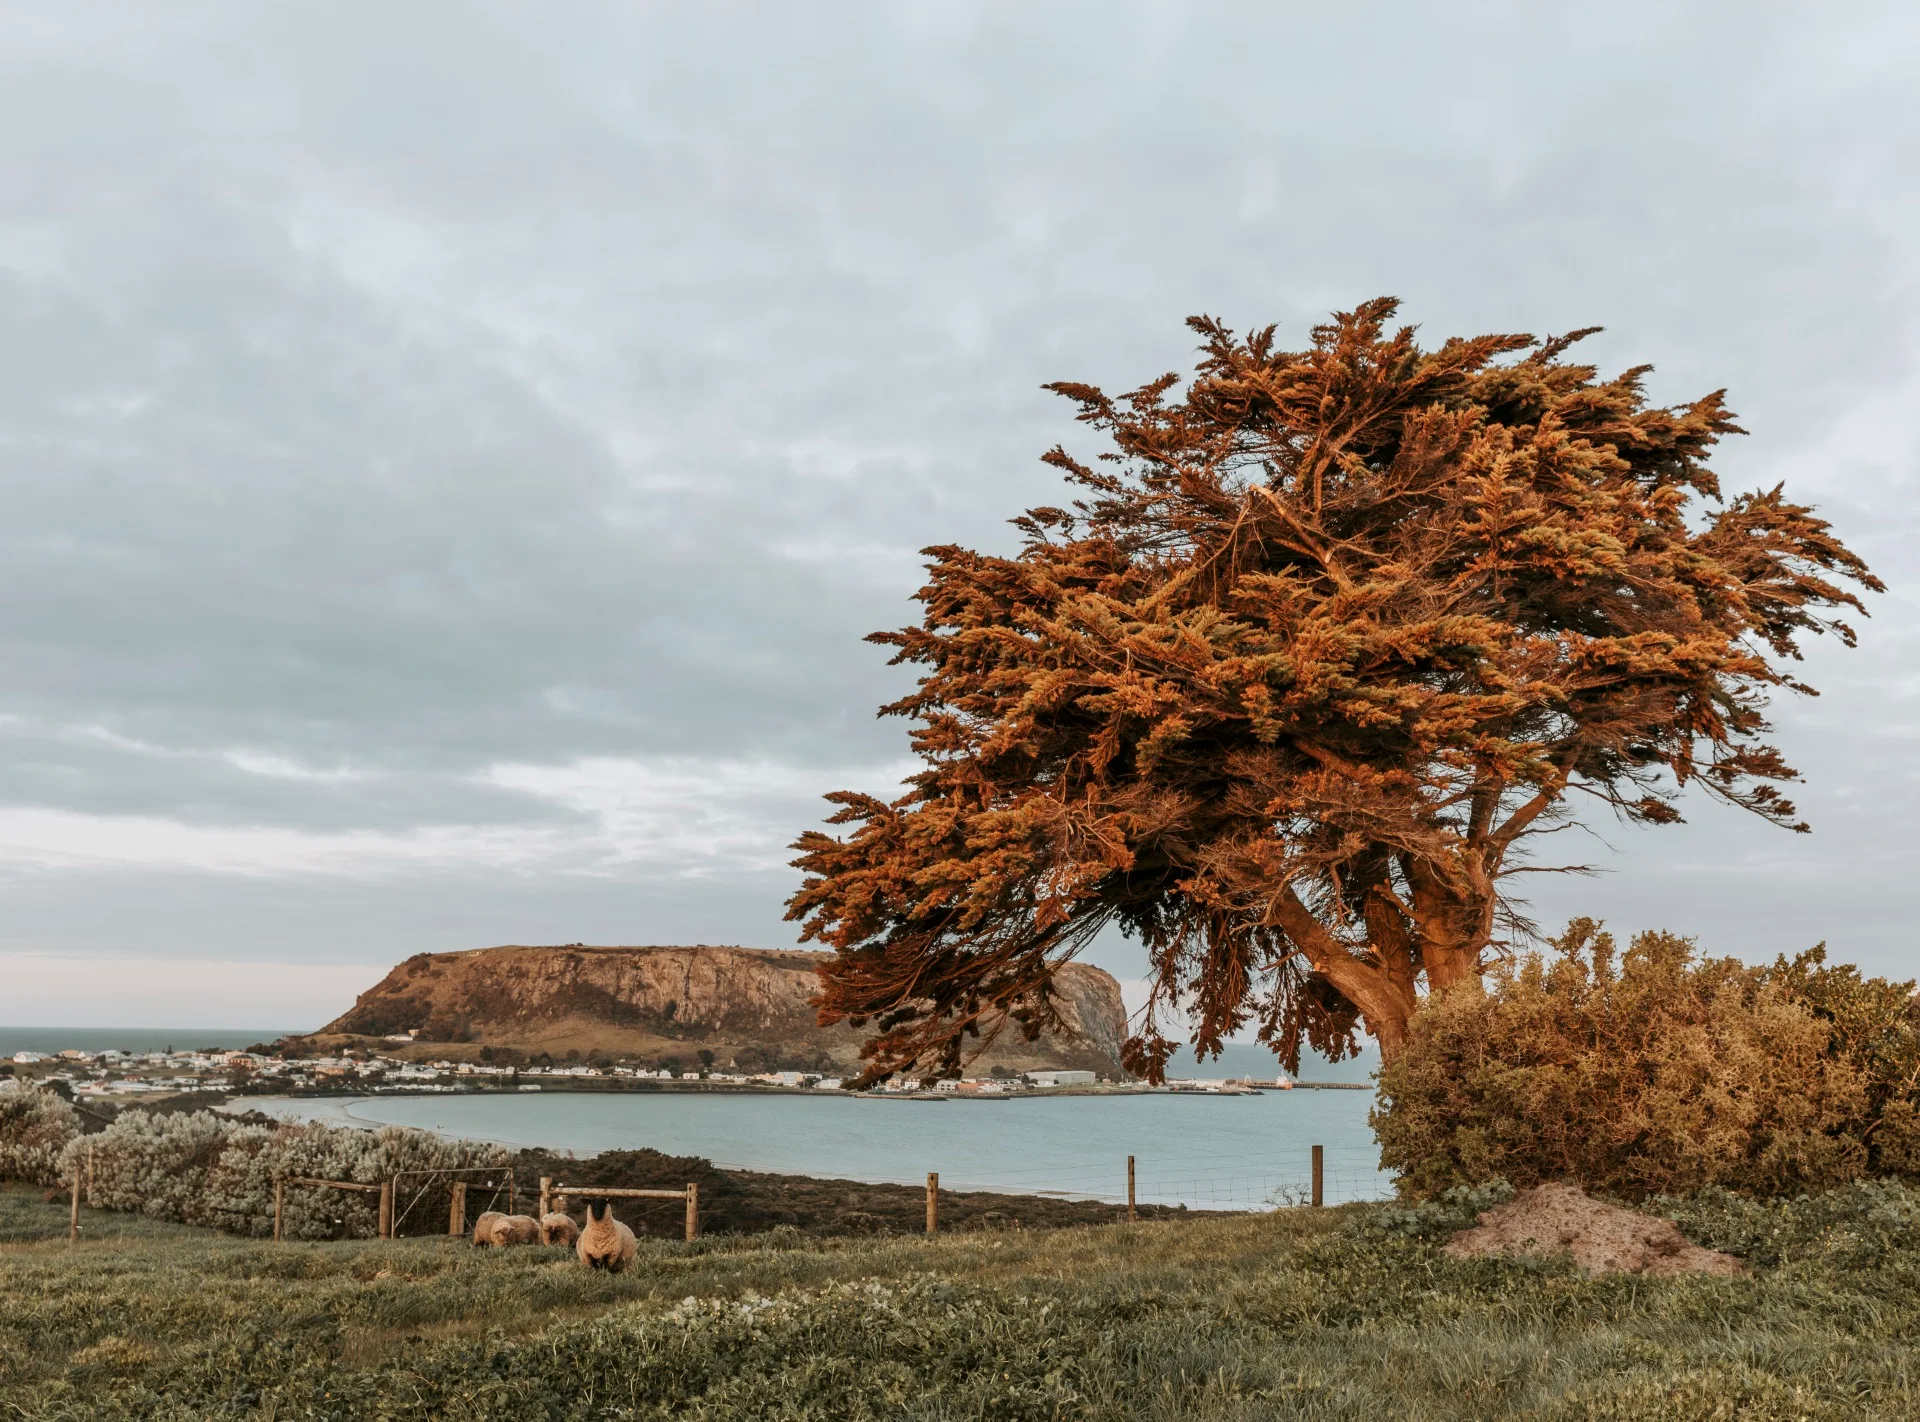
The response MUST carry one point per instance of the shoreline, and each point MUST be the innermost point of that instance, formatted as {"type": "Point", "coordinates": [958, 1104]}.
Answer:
{"type": "Point", "coordinates": [729, 1088]}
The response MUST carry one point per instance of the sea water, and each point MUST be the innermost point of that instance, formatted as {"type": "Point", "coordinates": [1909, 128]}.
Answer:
{"type": "Point", "coordinates": [1202, 1151]}
{"type": "Point", "coordinates": [1206, 1152]}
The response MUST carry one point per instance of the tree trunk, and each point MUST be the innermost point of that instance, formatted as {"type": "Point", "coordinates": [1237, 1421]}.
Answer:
{"type": "Point", "coordinates": [1385, 983]}
{"type": "Point", "coordinates": [1381, 985]}
{"type": "Point", "coordinates": [1389, 1032]}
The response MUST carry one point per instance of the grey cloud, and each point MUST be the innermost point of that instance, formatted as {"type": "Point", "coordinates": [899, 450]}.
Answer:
{"type": "Point", "coordinates": [418, 391]}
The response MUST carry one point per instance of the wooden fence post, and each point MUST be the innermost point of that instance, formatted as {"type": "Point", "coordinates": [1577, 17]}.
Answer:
{"type": "Point", "coordinates": [386, 1209]}
{"type": "Point", "coordinates": [933, 1202]}
{"type": "Point", "coordinates": [89, 1173]}
{"type": "Point", "coordinates": [693, 1211]}
{"type": "Point", "coordinates": [1319, 1175]}
{"type": "Point", "coordinates": [1130, 1214]}
{"type": "Point", "coordinates": [279, 1204]}
{"type": "Point", "coordinates": [457, 1210]}
{"type": "Point", "coordinates": [546, 1196]}
{"type": "Point", "coordinates": [73, 1220]}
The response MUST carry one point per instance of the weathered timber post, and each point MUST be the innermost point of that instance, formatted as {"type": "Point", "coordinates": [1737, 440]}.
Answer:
{"type": "Point", "coordinates": [1130, 1214]}
{"type": "Point", "coordinates": [73, 1219]}
{"type": "Point", "coordinates": [89, 1174]}
{"type": "Point", "coordinates": [1319, 1175]}
{"type": "Point", "coordinates": [546, 1196]}
{"type": "Point", "coordinates": [510, 1209]}
{"type": "Point", "coordinates": [933, 1202]}
{"type": "Point", "coordinates": [279, 1204]}
{"type": "Point", "coordinates": [693, 1211]}
{"type": "Point", "coordinates": [386, 1209]}
{"type": "Point", "coordinates": [457, 1210]}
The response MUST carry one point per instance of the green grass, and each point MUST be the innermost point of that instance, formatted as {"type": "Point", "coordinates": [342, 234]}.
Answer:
{"type": "Point", "coordinates": [1302, 1314]}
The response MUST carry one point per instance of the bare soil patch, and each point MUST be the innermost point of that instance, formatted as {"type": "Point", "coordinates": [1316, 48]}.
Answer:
{"type": "Point", "coordinates": [1603, 1239]}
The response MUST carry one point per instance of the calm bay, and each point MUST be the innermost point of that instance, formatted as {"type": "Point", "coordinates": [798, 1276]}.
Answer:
{"type": "Point", "coordinates": [1205, 1152]}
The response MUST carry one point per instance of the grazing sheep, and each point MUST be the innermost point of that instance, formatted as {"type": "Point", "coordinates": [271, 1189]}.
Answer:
{"type": "Point", "coordinates": [516, 1229]}
{"type": "Point", "coordinates": [483, 1227]}
{"type": "Point", "coordinates": [556, 1228]}
{"type": "Point", "coordinates": [605, 1243]}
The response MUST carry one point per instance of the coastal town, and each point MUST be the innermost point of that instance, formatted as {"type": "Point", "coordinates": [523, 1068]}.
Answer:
{"type": "Point", "coordinates": [122, 1076]}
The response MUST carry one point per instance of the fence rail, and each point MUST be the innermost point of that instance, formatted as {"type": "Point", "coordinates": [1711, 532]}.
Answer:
{"type": "Point", "coordinates": [1266, 1189]}
{"type": "Point", "coordinates": [554, 1196]}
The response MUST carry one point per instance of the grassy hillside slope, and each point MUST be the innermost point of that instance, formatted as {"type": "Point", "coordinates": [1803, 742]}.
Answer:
{"type": "Point", "coordinates": [1300, 1314]}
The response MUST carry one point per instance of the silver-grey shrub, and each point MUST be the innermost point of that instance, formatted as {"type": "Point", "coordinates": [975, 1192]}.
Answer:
{"type": "Point", "coordinates": [35, 1126]}
{"type": "Point", "coordinates": [203, 1168]}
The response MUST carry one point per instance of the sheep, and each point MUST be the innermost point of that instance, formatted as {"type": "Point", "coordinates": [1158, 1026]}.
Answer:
{"type": "Point", "coordinates": [605, 1243]}
{"type": "Point", "coordinates": [557, 1228]}
{"type": "Point", "coordinates": [497, 1230]}
{"type": "Point", "coordinates": [516, 1229]}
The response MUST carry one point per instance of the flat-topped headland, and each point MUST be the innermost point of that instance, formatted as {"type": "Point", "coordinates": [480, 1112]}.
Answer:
{"type": "Point", "coordinates": [675, 1008]}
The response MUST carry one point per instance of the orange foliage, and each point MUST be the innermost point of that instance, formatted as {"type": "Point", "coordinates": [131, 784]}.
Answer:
{"type": "Point", "coordinates": [1327, 638]}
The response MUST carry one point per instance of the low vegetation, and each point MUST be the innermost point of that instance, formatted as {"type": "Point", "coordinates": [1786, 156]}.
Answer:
{"type": "Point", "coordinates": [1657, 1071]}
{"type": "Point", "coordinates": [35, 1126]}
{"type": "Point", "coordinates": [206, 1168]}
{"type": "Point", "coordinates": [210, 1168]}
{"type": "Point", "coordinates": [1350, 1313]}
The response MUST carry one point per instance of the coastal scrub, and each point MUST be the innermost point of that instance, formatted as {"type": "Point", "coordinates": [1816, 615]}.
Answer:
{"type": "Point", "coordinates": [1656, 1071]}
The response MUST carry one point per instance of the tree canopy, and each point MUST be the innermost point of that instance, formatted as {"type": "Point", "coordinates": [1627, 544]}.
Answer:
{"type": "Point", "coordinates": [1327, 638]}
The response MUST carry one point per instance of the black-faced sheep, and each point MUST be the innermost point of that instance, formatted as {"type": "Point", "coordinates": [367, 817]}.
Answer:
{"type": "Point", "coordinates": [605, 1243]}
{"type": "Point", "coordinates": [556, 1228]}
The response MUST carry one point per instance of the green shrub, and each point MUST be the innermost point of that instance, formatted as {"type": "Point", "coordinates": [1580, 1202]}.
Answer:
{"type": "Point", "coordinates": [1859, 1226]}
{"type": "Point", "coordinates": [1440, 1218]}
{"type": "Point", "coordinates": [35, 1126]}
{"type": "Point", "coordinates": [1660, 1073]}
{"type": "Point", "coordinates": [203, 1168]}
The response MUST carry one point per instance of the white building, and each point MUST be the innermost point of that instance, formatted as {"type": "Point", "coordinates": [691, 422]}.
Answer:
{"type": "Point", "coordinates": [29, 1058]}
{"type": "Point", "coordinates": [1061, 1078]}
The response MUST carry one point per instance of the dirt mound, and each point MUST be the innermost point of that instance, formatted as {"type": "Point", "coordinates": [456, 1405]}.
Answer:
{"type": "Point", "coordinates": [1604, 1239]}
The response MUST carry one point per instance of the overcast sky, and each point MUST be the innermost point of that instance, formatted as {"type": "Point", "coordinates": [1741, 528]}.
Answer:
{"type": "Point", "coordinates": [450, 454]}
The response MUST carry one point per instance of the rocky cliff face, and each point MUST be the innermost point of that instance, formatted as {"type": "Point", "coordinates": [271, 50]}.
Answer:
{"type": "Point", "coordinates": [746, 1006]}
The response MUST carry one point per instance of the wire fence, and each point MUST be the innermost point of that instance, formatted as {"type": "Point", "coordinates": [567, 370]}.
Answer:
{"type": "Point", "coordinates": [1250, 1180]}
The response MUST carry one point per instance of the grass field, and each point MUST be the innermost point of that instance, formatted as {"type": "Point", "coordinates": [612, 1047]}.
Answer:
{"type": "Point", "coordinates": [1346, 1313]}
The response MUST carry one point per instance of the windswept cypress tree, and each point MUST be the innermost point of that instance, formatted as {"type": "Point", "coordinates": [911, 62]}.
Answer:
{"type": "Point", "coordinates": [1326, 639]}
